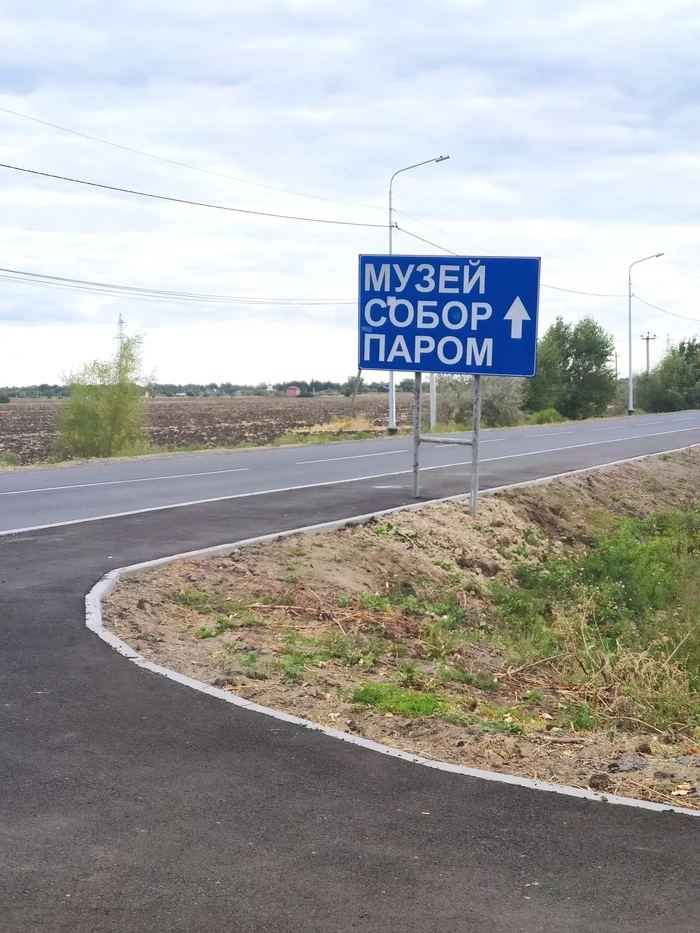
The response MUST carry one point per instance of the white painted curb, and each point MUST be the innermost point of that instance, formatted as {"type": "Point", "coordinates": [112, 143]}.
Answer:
{"type": "Point", "coordinates": [93, 620]}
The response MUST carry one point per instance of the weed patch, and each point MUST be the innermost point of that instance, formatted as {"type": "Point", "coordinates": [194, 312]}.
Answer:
{"type": "Point", "coordinates": [619, 618]}
{"type": "Point", "coordinates": [389, 698]}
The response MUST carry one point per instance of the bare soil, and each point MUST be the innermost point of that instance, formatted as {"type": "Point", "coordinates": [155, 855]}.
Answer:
{"type": "Point", "coordinates": [28, 426]}
{"type": "Point", "coordinates": [300, 624]}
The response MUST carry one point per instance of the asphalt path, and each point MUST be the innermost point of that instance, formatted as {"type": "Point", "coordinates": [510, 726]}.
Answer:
{"type": "Point", "coordinates": [130, 803]}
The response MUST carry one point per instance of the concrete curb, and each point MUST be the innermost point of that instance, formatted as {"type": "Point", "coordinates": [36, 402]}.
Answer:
{"type": "Point", "coordinates": [94, 622]}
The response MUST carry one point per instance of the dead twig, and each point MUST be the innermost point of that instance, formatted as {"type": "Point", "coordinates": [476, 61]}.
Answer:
{"type": "Point", "coordinates": [560, 739]}
{"type": "Point", "coordinates": [525, 667]}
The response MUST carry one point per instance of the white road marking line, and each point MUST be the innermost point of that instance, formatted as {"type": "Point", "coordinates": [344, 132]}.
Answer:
{"type": "Point", "coordinates": [119, 482]}
{"type": "Point", "coordinates": [382, 453]}
{"type": "Point", "coordinates": [550, 434]}
{"type": "Point", "coordinates": [552, 450]}
{"type": "Point", "coordinates": [681, 419]}
{"type": "Point", "coordinates": [614, 427]}
{"type": "Point", "coordinates": [386, 453]}
{"type": "Point", "coordinates": [340, 482]}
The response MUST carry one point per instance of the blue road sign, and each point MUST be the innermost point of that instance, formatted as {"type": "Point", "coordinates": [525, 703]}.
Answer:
{"type": "Point", "coordinates": [454, 315]}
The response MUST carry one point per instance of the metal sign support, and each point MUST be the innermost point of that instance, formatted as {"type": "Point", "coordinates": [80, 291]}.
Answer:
{"type": "Point", "coordinates": [417, 386]}
{"type": "Point", "coordinates": [419, 439]}
{"type": "Point", "coordinates": [476, 432]}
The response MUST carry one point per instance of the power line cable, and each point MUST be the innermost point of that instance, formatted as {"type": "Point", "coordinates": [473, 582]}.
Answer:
{"type": "Point", "coordinates": [574, 291]}
{"type": "Point", "coordinates": [486, 252]}
{"type": "Point", "coordinates": [243, 308]}
{"type": "Point", "coordinates": [683, 317]}
{"type": "Point", "coordinates": [174, 292]}
{"type": "Point", "coordinates": [423, 240]}
{"type": "Point", "coordinates": [161, 296]}
{"type": "Point", "coordinates": [194, 168]}
{"type": "Point", "coordinates": [557, 288]}
{"type": "Point", "coordinates": [162, 197]}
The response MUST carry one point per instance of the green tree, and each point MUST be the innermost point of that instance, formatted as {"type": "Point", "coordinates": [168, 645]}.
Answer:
{"type": "Point", "coordinates": [501, 400]}
{"type": "Point", "coordinates": [105, 415]}
{"type": "Point", "coordinates": [574, 375]}
{"type": "Point", "coordinates": [546, 389]}
{"type": "Point", "coordinates": [674, 383]}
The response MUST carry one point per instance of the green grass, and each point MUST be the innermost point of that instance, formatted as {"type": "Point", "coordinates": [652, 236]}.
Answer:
{"type": "Point", "coordinates": [498, 725]}
{"type": "Point", "coordinates": [192, 598]}
{"type": "Point", "coordinates": [621, 616]}
{"type": "Point", "coordinates": [529, 537]}
{"type": "Point", "coordinates": [482, 681]}
{"type": "Point", "coordinates": [290, 438]}
{"type": "Point", "coordinates": [411, 676]}
{"type": "Point", "coordinates": [8, 458]}
{"type": "Point", "coordinates": [439, 641]}
{"type": "Point", "coordinates": [184, 448]}
{"type": "Point", "coordinates": [374, 601]}
{"type": "Point", "coordinates": [450, 427]}
{"type": "Point", "coordinates": [231, 614]}
{"type": "Point", "coordinates": [251, 666]}
{"type": "Point", "coordinates": [349, 650]}
{"type": "Point", "coordinates": [580, 716]}
{"type": "Point", "coordinates": [444, 564]}
{"type": "Point", "coordinates": [390, 698]}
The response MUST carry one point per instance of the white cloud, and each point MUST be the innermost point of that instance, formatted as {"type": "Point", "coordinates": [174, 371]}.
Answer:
{"type": "Point", "coordinates": [572, 131]}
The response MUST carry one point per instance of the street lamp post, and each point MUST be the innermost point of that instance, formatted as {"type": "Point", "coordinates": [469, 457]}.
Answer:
{"type": "Point", "coordinates": [392, 387]}
{"type": "Point", "coordinates": [630, 384]}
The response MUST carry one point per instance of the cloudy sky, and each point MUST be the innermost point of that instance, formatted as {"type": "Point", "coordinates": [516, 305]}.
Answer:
{"type": "Point", "coordinates": [572, 129]}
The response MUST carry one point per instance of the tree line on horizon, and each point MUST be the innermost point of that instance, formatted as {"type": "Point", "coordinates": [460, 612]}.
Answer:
{"type": "Point", "coordinates": [575, 379]}
{"type": "Point", "coordinates": [213, 389]}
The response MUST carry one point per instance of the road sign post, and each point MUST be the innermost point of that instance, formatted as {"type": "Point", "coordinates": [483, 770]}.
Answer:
{"type": "Point", "coordinates": [476, 436]}
{"type": "Point", "coordinates": [454, 315]}
{"type": "Point", "coordinates": [417, 400]}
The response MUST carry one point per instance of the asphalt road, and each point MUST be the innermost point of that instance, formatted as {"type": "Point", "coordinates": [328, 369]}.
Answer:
{"type": "Point", "coordinates": [39, 497]}
{"type": "Point", "coordinates": [130, 803]}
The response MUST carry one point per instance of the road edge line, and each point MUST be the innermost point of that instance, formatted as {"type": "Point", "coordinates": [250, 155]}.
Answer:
{"type": "Point", "coordinates": [94, 622]}
{"type": "Point", "coordinates": [360, 479]}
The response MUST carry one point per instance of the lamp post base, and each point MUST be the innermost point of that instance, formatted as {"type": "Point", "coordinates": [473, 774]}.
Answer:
{"type": "Point", "coordinates": [630, 411]}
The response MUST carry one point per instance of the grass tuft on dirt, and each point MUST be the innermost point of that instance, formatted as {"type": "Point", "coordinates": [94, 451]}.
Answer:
{"type": "Point", "coordinates": [554, 637]}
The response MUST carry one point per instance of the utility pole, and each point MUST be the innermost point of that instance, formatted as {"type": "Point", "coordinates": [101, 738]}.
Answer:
{"type": "Point", "coordinates": [616, 370]}
{"type": "Point", "coordinates": [121, 331]}
{"type": "Point", "coordinates": [630, 378]}
{"type": "Point", "coordinates": [648, 337]}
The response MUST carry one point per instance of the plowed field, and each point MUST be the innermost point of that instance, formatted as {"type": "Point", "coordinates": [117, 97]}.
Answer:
{"type": "Point", "coordinates": [27, 426]}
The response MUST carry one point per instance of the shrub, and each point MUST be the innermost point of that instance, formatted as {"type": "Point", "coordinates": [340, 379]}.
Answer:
{"type": "Point", "coordinates": [8, 458]}
{"type": "Point", "coordinates": [501, 400]}
{"type": "Point", "coordinates": [548, 416]}
{"type": "Point", "coordinates": [4, 399]}
{"type": "Point", "coordinates": [105, 415]}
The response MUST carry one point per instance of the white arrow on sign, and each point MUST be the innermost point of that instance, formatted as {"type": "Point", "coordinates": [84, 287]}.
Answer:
{"type": "Point", "coordinates": [516, 314]}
